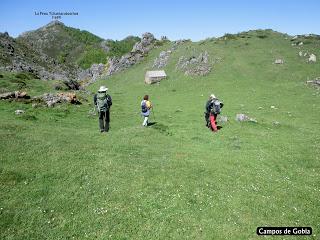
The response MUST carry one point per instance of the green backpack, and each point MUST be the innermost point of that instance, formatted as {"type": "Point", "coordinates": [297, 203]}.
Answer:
{"type": "Point", "coordinates": [102, 102]}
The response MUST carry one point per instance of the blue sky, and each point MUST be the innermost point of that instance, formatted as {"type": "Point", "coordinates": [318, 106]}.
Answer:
{"type": "Point", "coordinates": [177, 19]}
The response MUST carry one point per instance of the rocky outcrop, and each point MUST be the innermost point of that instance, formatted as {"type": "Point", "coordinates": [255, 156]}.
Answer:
{"type": "Point", "coordinates": [117, 64]}
{"type": "Point", "coordinates": [50, 99]}
{"type": "Point", "coordinates": [139, 50]}
{"type": "Point", "coordinates": [162, 60]}
{"type": "Point", "coordinates": [14, 95]}
{"type": "Point", "coordinates": [195, 66]}
{"type": "Point", "coordinates": [309, 57]}
{"type": "Point", "coordinates": [126, 61]}
{"type": "Point", "coordinates": [145, 45]}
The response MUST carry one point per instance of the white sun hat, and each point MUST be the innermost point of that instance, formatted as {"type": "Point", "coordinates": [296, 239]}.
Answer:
{"type": "Point", "coordinates": [103, 89]}
{"type": "Point", "coordinates": [212, 96]}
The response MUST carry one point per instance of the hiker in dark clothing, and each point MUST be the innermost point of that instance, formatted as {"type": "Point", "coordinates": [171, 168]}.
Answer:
{"type": "Point", "coordinates": [213, 108]}
{"type": "Point", "coordinates": [103, 102]}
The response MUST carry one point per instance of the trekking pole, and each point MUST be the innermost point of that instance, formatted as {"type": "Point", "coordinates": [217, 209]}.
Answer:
{"type": "Point", "coordinates": [153, 114]}
{"type": "Point", "coordinates": [105, 119]}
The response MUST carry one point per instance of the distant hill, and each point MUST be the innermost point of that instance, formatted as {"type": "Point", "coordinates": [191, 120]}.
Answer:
{"type": "Point", "coordinates": [74, 46]}
{"type": "Point", "coordinates": [16, 55]}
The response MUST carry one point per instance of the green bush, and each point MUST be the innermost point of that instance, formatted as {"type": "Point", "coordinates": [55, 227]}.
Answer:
{"type": "Point", "coordinates": [229, 36]}
{"type": "Point", "coordinates": [90, 56]}
{"type": "Point", "coordinates": [119, 48]}
{"type": "Point", "coordinates": [83, 36]}
{"type": "Point", "coordinates": [97, 55]}
{"type": "Point", "coordinates": [62, 57]}
{"type": "Point", "coordinates": [23, 76]}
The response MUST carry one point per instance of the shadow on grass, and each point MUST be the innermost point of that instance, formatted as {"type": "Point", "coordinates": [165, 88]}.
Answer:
{"type": "Point", "coordinates": [151, 123]}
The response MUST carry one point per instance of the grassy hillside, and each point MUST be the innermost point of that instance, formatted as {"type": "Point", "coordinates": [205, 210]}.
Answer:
{"type": "Point", "coordinates": [61, 179]}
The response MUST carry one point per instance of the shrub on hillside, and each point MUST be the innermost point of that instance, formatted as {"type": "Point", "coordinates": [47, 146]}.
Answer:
{"type": "Point", "coordinates": [83, 36]}
{"type": "Point", "coordinates": [62, 57]}
{"type": "Point", "coordinates": [91, 56]}
{"type": "Point", "coordinates": [119, 48]}
{"type": "Point", "coordinates": [229, 36]}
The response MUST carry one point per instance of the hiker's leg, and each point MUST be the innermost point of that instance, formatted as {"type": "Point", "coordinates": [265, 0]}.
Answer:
{"type": "Point", "coordinates": [206, 117]}
{"type": "Point", "coordinates": [213, 123]}
{"type": "Point", "coordinates": [145, 121]}
{"type": "Point", "coordinates": [215, 118]}
{"type": "Point", "coordinates": [107, 121]}
{"type": "Point", "coordinates": [101, 125]}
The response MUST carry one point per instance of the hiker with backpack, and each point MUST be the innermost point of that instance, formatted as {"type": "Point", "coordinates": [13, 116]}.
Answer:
{"type": "Point", "coordinates": [103, 102]}
{"type": "Point", "coordinates": [145, 110]}
{"type": "Point", "coordinates": [213, 108]}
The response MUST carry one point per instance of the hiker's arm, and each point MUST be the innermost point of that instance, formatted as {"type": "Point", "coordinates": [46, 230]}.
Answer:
{"type": "Point", "coordinates": [95, 99]}
{"type": "Point", "coordinates": [208, 106]}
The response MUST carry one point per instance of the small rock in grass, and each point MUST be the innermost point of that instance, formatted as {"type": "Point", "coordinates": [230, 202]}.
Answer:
{"type": "Point", "coordinates": [223, 119]}
{"type": "Point", "coordinates": [240, 117]}
{"type": "Point", "coordinates": [312, 58]}
{"type": "Point", "coordinates": [18, 112]}
{"type": "Point", "coordinates": [278, 61]}
{"type": "Point", "coordinates": [253, 120]}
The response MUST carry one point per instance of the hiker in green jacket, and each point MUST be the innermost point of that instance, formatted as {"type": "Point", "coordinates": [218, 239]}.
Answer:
{"type": "Point", "coordinates": [103, 102]}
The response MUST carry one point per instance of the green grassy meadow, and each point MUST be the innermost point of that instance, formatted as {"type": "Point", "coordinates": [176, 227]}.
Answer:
{"type": "Point", "coordinates": [61, 179]}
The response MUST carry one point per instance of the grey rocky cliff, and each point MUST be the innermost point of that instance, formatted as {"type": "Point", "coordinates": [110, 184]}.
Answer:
{"type": "Point", "coordinates": [117, 64]}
